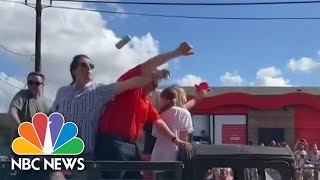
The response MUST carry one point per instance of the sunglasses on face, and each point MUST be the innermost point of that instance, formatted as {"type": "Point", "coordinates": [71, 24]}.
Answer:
{"type": "Point", "coordinates": [85, 65]}
{"type": "Point", "coordinates": [31, 83]}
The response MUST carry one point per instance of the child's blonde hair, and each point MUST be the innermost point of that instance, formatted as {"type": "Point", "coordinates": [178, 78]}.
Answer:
{"type": "Point", "coordinates": [182, 96]}
{"type": "Point", "coordinates": [170, 94]}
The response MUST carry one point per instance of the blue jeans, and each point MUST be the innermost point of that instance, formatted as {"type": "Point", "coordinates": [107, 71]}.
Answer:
{"type": "Point", "coordinates": [114, 148]}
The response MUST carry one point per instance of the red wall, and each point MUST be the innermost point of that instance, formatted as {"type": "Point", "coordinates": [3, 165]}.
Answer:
{"type": "Point", "coordinates": [307, 109]}
{"type": "Point", "coordinates": [307, 124]}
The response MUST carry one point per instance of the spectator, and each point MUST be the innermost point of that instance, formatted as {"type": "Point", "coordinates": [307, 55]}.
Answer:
{"type": "Point", "coordinates": [213, 174]}
{"type": "Point", "coordinates": [300, 146]}
{"type": "Point", "coordinates": [302, 159]}
{"type": "Point", "coordinates": [301, 163]}
{"type": "Point", "coordinates": [27, 102]}
{"type": "Point", "coordinates": [314, 155]}
{"type": "Point", "coordinates": [273, 143]}
{"type": "Point", "coordinates": [226, 174]}
{"type": "Point", "coordinates": [284, 144]}
{"type": "Point", "coordinates": [301, 143]}
{"type": "Point", "coordinates": [204, 137]}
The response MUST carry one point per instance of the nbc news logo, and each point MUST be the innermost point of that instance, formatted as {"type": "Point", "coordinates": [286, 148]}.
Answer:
{"type": "Point", "coordinates": [47, 137]}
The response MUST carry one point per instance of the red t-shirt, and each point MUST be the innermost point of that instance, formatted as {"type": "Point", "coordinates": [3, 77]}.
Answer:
{"type": "Point", "coordinates": [126, 115]}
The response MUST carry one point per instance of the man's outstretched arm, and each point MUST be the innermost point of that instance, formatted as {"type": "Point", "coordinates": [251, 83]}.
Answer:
{"type": "Point", "coordinates": [137, 81]}
{"type": "Point", "coordinates": [151, 65]}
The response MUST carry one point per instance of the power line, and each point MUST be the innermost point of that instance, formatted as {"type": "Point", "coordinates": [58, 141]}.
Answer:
{"type": "Point", "coordinates": [188, 17]}
{"type": "Point", "coordinates": [195, 4]}
{"type": "Point", "coordinates": [15, 53]}
{"type": "Point", "coordinates": [181, 16]}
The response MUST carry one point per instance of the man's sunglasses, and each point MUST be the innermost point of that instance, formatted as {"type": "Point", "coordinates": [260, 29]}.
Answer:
{"type": "Point", "coordinates": [31, 83]}
{"type": "Point", "coordinates": [84, 65]}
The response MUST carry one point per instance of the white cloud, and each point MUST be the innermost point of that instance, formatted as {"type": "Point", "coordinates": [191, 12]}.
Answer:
{"type": "Point", "coordinates": [231, 79]}
{"type": "Point", "coordinates": [117, 8]}
{"type": "Point", "coordinates": [66, 33]}
{"type": "Point", "coordinates": [190, 80]}
{"type": "Point", "coordinates": [270, 76]}
{"type": "Point", "coordinates": [304, 64]}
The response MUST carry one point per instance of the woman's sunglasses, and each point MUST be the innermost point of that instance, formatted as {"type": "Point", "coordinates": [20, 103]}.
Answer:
{"type": "Point", "coordinates": [31, 83]}
{"type": "Point", "coordinates": [84, 65]}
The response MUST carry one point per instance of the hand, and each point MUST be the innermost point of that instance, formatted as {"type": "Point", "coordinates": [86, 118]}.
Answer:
{"type": "Point", "coordinates": [161, 74]}
{"type": "Point", "coordinates": [184, 49]}
{"type": "Point", "coordinates": [179, 142]}
{"type": "Point", "coordinates": [201, 94]}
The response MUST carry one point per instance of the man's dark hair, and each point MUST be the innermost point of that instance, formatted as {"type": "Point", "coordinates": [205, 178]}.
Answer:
{"type": "Point", "coordinates": [74, 64]}
{"type": "Point", "coordinates": [34, 73]}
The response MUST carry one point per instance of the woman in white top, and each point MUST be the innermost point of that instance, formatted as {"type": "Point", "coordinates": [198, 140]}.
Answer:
{"type": "Point", "coordinates": [177, 119]}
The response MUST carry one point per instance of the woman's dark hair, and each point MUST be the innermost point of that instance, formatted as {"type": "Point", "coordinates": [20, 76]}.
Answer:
{"type": "Point", "coordinates": [74, 64]}
{"type": "Point", "coordinates": [171, 94]}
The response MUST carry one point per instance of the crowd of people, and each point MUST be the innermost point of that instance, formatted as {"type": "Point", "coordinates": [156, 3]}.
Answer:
{"type": "Point", "coordinates": [111, 117]}
{"type": "Point", "coordinates": [305, 159]}
{"type": "Point", "coordinates": [219, 174]}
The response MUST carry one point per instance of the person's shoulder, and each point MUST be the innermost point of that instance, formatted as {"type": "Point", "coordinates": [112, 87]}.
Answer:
{"type": "Point", "coordinates": [64, 89]}
{"type": "Point", "coordinates": [131, 73]}
{"type": "Point", "coordinates": [23, 92]}
{"type": "Point", "coordinates": [181, 110]}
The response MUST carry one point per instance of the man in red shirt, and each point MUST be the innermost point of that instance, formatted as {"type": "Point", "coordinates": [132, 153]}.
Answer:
{"type": "Point", "coordinates": [124, 118]}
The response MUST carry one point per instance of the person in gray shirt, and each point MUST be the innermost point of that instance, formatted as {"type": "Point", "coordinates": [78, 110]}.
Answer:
{"type": "Point", "coordinates": [27, 102]}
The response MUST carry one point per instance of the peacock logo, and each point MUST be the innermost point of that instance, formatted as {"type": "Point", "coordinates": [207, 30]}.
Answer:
{"type": "Point", "coordinates": [48, 136]}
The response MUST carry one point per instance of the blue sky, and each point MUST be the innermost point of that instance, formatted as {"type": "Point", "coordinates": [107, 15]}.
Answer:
{"type": "Point", "coordinates": [222, 46]}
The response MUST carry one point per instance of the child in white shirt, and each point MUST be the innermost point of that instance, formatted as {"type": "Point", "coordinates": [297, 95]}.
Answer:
{"type": "Point", "coordinates": [179, 122]}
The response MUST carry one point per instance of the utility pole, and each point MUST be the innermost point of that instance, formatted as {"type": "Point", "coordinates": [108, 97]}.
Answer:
{"type": "Point", "coordinates": [37, 64]}
{"type": "Point", "coordinates": [38, 7]}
